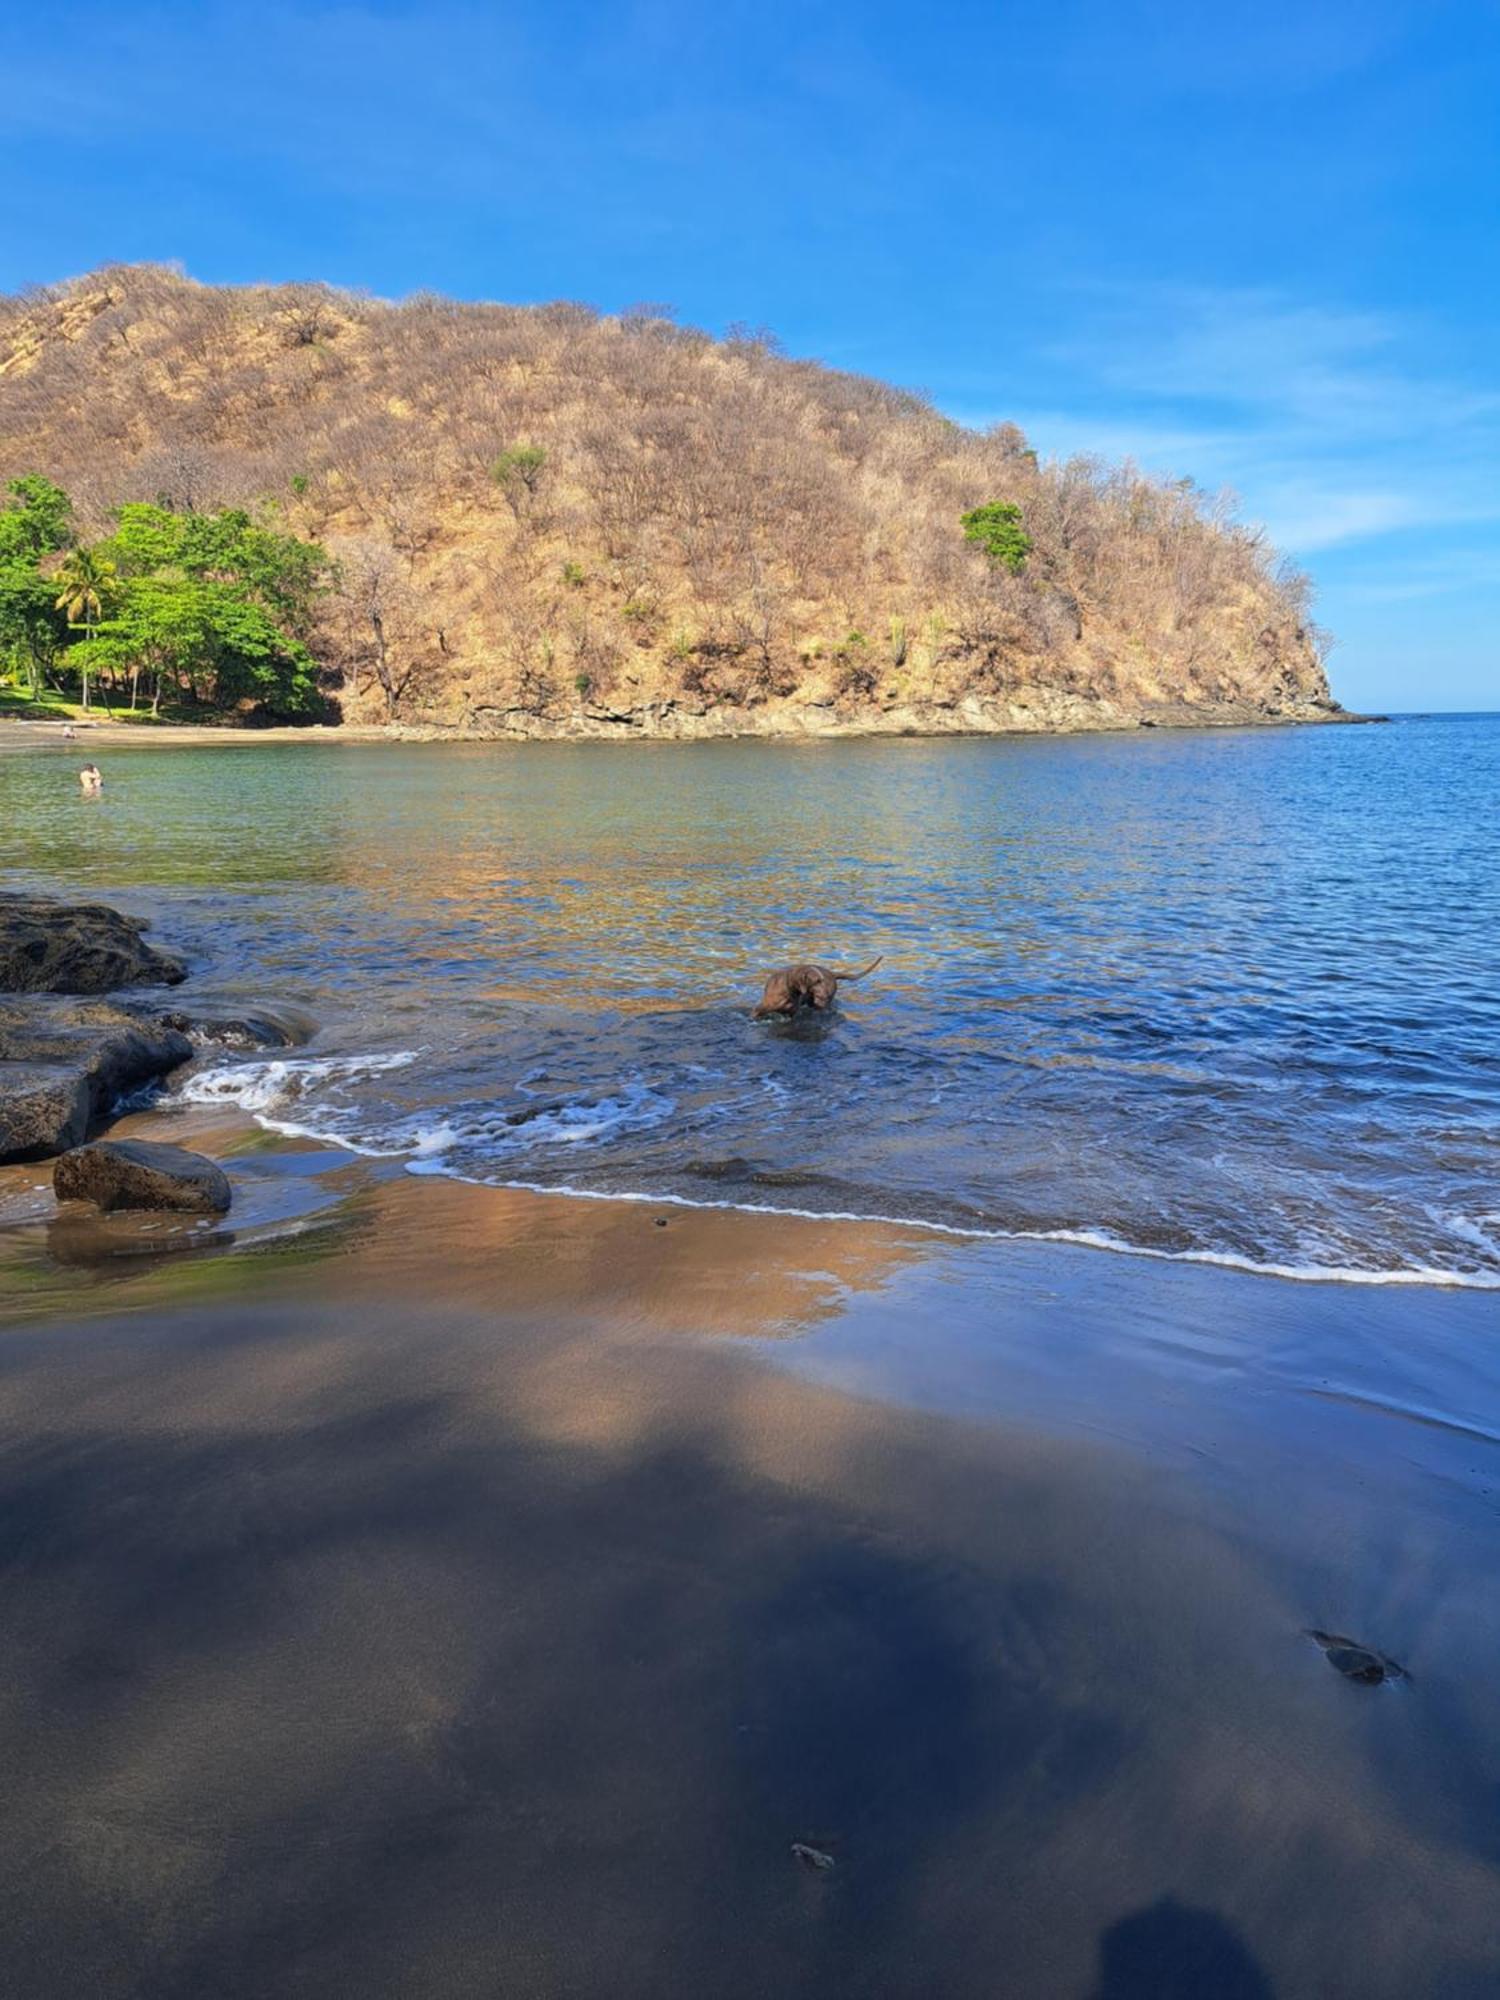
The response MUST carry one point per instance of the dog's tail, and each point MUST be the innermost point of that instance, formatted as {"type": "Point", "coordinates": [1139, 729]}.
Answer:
{"type": "Point", "coordinates": [841, 976]}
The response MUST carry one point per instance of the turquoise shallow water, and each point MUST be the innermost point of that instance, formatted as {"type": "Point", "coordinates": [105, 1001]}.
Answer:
{"type": "Point", "coordinates": [1224, 995]}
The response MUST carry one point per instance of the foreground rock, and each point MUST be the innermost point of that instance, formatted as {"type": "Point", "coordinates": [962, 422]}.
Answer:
{"type": "Point", "coordinates": [52, 947]}
{"type": "Point", "coordinates": [44, 1109]}
{"type": "Point", "coordinates": [135, 1173]}
{"type": "Point", "coordinates": [65, 1064]}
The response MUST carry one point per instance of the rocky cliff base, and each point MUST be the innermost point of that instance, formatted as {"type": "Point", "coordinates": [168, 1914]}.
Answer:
{"type": "Point", "coordinates": [1036, 714]}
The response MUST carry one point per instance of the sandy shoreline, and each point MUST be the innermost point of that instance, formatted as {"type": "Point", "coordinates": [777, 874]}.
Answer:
{"type": "Point", "coordinates": [448, 1591]}
{"type": "Point", "coordinates": [106, 734]}
{"type": "Point", "coordinates": [103, 733]}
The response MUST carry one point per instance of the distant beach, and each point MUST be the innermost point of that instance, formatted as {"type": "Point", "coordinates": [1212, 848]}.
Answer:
{"type": "Point", "coordinates": [809, 726]}
{"type": "Point", "coordinates": [99, 731]}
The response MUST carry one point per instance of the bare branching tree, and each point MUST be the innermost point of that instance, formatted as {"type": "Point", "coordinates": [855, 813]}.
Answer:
{"type": "Point", "coordinates": [378, 605]}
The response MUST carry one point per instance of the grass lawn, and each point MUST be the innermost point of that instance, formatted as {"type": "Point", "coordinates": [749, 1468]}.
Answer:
{"type": "Point", "coordinates": [17, 705]}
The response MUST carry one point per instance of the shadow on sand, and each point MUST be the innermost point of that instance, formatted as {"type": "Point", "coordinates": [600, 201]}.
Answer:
{"type": "Point", "coordinates": [393, 1650]}
{"type": "Point", "coordinates": [1170, 1952]}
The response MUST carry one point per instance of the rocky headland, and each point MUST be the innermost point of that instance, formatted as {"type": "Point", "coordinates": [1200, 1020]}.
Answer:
{"type": "Point", "coordinates": [492, 520]}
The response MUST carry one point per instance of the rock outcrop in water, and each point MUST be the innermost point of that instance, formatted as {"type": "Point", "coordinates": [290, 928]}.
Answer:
{"type": "Point", "coordinates": [52, 947]}
{"type": "Point", "coordinates": [548, 522]}
{"type": "Point", "coordinates": [65, 1064]}
{"type": "Point", "coordinates": [66, 1060]}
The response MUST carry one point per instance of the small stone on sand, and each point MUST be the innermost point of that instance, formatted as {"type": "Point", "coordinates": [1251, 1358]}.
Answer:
{"type": "Point", "coordinates": [812, 1857]}
{"type": "Point", "coordinates": [1356, 1662]}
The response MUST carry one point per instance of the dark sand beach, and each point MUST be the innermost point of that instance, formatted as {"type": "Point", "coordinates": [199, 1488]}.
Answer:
{"type": "Point", "coordinates": [474, 1592]}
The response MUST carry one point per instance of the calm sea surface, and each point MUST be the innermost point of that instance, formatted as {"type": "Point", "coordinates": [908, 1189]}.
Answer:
{"type": "Point", "coordinates": [1222, 995]}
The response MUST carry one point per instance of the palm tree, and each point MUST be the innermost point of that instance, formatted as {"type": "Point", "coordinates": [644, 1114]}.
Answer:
{"type": "Point", "coordinates": [87, 589]}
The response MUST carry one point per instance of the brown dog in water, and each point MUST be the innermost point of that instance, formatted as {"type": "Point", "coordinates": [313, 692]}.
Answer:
{"type": "Point", "coordinates": [797, 986]}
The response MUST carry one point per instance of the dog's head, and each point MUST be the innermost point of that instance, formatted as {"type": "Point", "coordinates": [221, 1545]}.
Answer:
{"type": "Point", "coordinates": [795, 987]}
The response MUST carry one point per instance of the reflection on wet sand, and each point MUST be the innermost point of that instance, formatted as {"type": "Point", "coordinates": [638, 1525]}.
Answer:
{"type": "Point", "coordinates": [469, 1615]}
{"type": "Point", "coordinates": [642, 1267]}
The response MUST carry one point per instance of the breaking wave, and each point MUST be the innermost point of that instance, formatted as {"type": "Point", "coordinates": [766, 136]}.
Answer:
{"type": "Point", "coordinates": [493, 1144]}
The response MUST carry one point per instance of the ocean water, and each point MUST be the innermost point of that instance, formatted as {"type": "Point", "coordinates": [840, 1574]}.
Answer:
{"type": "Point", "coordinates": [1231, 996]}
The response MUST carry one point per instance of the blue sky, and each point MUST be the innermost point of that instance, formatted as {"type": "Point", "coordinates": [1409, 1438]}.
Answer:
{"type": "Point", "coordinates": [1249, 243]}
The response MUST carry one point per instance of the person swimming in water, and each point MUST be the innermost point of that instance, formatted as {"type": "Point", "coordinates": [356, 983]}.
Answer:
{"type": "Point", "coordinates": [91, 778]}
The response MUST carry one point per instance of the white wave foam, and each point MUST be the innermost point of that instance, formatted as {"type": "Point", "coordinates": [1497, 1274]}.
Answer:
{"type": "Point", "coordinates": [256, 1085]}
{"type": "Point", "coordinates": [1304, 1274]}
{"type": "Point", "coordinates": [573, 1124]}
{"type": "Point", "coordinates": [1480, 1232]}
{"type": "Point", "coordinates": [498, 1134]}
{"type": "Point", "coordinates": [271, 1089]}
{"type": "Point", "coordinates": [425, 1144]}
{"type": "Point", "coordinates": [268, 1088]}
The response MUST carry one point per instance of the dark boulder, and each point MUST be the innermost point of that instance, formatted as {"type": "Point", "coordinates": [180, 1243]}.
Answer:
{"type": "Point", "coordinates": [44, 1108]}
{"type": "Point", "coordinates": [65, 1064]}
{"type": "Point", "coordinates": [216, 1026]}
{"type": "Point", "coordinates": [136, 1173]}
{"type": "Point", "coordinates": [52, 947]}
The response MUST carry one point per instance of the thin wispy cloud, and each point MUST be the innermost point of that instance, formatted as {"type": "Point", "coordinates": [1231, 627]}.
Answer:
{"type": "Point", "coordinates": [1319, 418]}
{"type": "Point", "coordinates": [1341, 371]}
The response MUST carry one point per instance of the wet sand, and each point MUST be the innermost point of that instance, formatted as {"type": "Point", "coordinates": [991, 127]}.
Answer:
{"type": "Point", "coordinates": [104, 731]}
{"type": "Point", "coordinates": [429, 1590]}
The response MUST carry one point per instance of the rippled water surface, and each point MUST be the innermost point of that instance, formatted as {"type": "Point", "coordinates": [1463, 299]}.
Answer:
{"type": "Point", "coordinates": [1232, 995]}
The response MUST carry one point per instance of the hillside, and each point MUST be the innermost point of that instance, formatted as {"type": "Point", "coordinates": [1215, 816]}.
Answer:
{"type": "Point", "coordinates": [543, 521]}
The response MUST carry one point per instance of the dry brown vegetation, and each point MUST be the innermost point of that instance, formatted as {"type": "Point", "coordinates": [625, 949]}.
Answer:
{"type": "Point", "coordinates": [548, 520]}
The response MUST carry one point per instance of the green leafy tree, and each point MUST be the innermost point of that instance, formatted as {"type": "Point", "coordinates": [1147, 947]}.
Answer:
{"type": "Point", "coordinates": [204, 643]}
{"type": "Point", "coordinates": [32, 629]}
{"type": "Point", "coordinates": [105, 654]}
{"type": "Point", "coordinates": [146, 538]}
{"type": "Point", "coordinates": [210, 608]}
{"type": "Point", "coordinates": [996, 527]}
{"type": "Point", "coordinates": [88, 588]}
{"type": "Point", "coordinates": [36, 519]}
{"type": "Point", "coordinates": [164, 628]}
{"type": "Point", "coordinates": [518, 473]}
{"type": "Point", "coordinates": [255, 660]}
{"type": "Point", "coordinates": [281, 572]}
